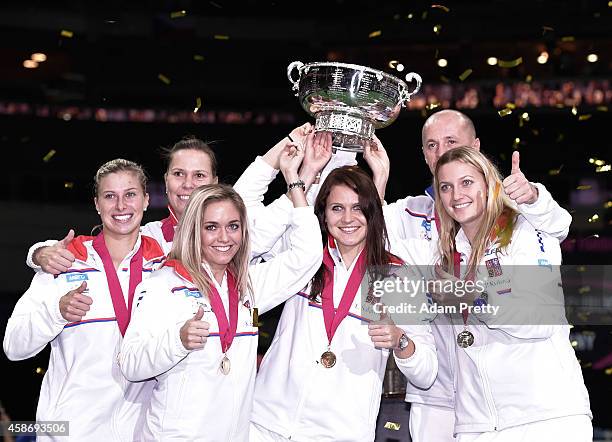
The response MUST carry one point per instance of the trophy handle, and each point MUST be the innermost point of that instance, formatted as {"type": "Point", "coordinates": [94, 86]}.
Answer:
{"type": "Point", "coordinates": [404, 94]}
{"type": "Point", "coordinates": [295, 83]}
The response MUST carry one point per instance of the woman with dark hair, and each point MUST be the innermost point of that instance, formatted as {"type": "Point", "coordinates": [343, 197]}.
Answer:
{"type": "Point", "coordinates": [322, 377]}
{"type": "Point", "coordinates": [517, 377]}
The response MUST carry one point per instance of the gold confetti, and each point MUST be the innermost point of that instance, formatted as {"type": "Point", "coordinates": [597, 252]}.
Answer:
{"type": "Point", "coordinates": [568, 38]}
{"type": "Point", "coordinates": [553, 172]}
{"type": "Point", "coordinates": [178, 14]}
{"type": "Point", "coordinates": [465, 74]}
{"type": "Point", "coordinates": [574, 343]}
{"type": "Point", "coordinates": [409, 16]}
{"type": "Point", "coordinates": [516, 143]}
{"type": "Point", "coordinates": [392, 426]}
{"type": "Point", "coordinates": [221, 37]}
{"type": "Point", "coordinates": [49, 155]}
{"type": "Point", "coordinates": [608, 205]}
{"type": "Point", "coordinates": [68, 185]}
{"type": "Point", "coordinates": [584, 289]}
{"type": "Point", "coordinates": [437, 29]}
{"type": "Point", "coordinates": [535, 132]}
{"type": "Point", "coordinates": [525, 116]}
{"type": "Point", "coordinates": [66, 33]}
{"type": "Point", "coordinates": [444, 79]}
{"type": "Point", "coordinates": [432, 106]}
{"type": "Point", "coordinates": [587, 365]}
{"type": "Point", "coordinates": [504, 112]}
{"type": "Point", "coordinates": [198, 105]}
{"type": "Point", "coordinates": [605, 168]}
{"type": "Point", "coordinates": [584, 117]}
{"type": "Point", "coordinates": [40, 370]}
{"type": "Point", "coordinates": [163, 78]}
{"type": "Point", "coordinates": [560, 138]}
{"type": "Point", "coordinates": [424, 15]}
{"type": "Point", "coordinates": [198, 57]}
{"type": "Point", "coordinates": [583, 187]}
{"type": "Point", "coordinates": [546, 29]}
{"type": "Point", "coordinates": [610, 4]}
{"type": "Point", "coordinates": [375, 34]}
{"type": "Point", "coordinates": [510, 63]}
{"type": "Point", "coordinates": [510, 105]}
{"type": "Point", "coordinates": [574, 110]}
{"type": "Point", "coordinates": [602, 108]}
{"type": "Point", "coordinates": [594, 218]}
{"type": "Point", "coordinates": [528, 78]}
{"type": "Point", "coordinates": [442, 7]}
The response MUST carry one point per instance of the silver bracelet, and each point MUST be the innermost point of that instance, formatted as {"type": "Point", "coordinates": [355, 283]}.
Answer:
{"type": "Point", "coordinates": [298, 183]}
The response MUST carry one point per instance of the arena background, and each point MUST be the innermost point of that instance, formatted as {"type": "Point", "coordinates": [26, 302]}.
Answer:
{"type": "Point", "coordinates": [122, 79]}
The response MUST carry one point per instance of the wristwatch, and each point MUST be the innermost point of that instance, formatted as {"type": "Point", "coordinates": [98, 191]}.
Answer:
{"type": "Point", "coordinates": [403, 342]}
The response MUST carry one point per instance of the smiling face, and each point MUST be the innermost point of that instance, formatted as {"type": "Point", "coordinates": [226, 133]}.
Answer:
{"type": "Point", "coordinates": [188, 169]}
{"type": "Point", "coordinates": [221, 234]}
{"type": "Point", "coordinates": [121, 201]}
{"type": "Point", "coordinates": [444, 131]}
{"type": "Point", "coordinates": [345, 220]}
{"type": "Point", "coordinates": [463, 192]}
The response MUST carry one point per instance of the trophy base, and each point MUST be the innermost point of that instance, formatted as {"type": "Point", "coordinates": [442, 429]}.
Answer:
{"type": "Point", "coordinates": [350, 132]}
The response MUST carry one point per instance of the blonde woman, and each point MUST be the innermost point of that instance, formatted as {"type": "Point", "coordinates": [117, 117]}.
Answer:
{"type": "Point", "coordinates": [195, 327]}
{"type": "Point", "coordinates": [514, 382]}
{"type": "Point", "coordinates": [83, 314]}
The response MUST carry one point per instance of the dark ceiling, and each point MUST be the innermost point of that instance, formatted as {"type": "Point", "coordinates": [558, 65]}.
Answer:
{"type": "Point", "coordinates": [232, 53]}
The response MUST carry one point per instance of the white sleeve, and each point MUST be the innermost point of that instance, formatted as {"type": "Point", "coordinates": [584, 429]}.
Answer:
{"type": "Point", "coordinates": [421, 368]}
{"type": "Point", "coordinates": [266, 223]}
{"type": "Point", "coordinates": [34, 248]}
{"type": "Point", "coordinates": [152, 343]}
{"type": "Point", "coordinates": [280, 278]}
{"type": "Point", "coordinates": [393, 214]}
{"type": "Point", "coordinates": [534, 308]}
{"type": "Point", "coordinates": [547, 215]}
{"type": "Point", "coordinates": [36, 319]}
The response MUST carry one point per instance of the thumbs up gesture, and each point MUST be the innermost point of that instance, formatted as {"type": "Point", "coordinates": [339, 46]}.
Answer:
{"type": "Point", "coordinates": [516, 185]}
{"type": "Point", "coordinates": [195, 332]}
{"type": "Point", "coordinates": [74, 304]}
{"type": "Point", "coordinates": [55, 259]}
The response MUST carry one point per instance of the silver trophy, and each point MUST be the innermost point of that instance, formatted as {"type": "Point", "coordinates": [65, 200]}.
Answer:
{"type": "Point", "coordinates": [349, 100]}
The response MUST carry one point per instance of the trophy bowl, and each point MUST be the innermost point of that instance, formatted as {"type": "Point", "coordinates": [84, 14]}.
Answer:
{"type": "Point", "coordinates": [349, 100]}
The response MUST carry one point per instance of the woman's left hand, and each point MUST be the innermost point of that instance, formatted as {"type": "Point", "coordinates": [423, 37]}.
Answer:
{"type": "Point", "coordinates": [290, 159]}
{"type": "Point", "coordinates": [456, 293]}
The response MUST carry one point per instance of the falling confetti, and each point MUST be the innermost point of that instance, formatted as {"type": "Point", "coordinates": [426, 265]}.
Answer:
{"type": "Point", "coordinates": [504, 112]}
{"type": "Point", "coordinates": [178, 14]}
{"type": "Point", "coordinates": [392, 426]}
{"type": "Point", "coordinates": [40, 370]}
{"type": "Point", "coordinates": [584, 117]}
{"type": "Point", "coordinates": [605, 168]}
{"type": "Point", "coordinates": [198, 105]}
{"type": "Point", "coordinates": [584, 289]}
{"type": "Point", "coordinates": [602, 108]}
{"type": "Point", "coordinates": [68, 185]}
{"type": "Point", "coordinates": [221, 37]}
{"type": "Point", "coordinates": [442, 7]}
{"type": "Point", "coordinates": [546, 29]}
{"type": "Point", "coordinates": [510, 105]}
{"type": "Point", "coordinates": [568, 38]}
{"type": "Point", "coordinates": [583, 187]}
{"type": "Point", "coordinates": [465, 74]}
{"type": "Point", "coordinates": [163, 78]}
{"type": "Point", "coordinates": [375, 34]}
{"type": "Point", "coordinates": [594, 218]}
{"type": "Point", "coordinates": [510, 63]}
{"type": "Point", "coordinates": [49, 155]}
{"type": "Point", "coordinates": [444, 79]}
{"type": "Point", "coordinates": [574, 110]}
{"type": "Point", "coordinates": [437, 29]}
{"type": "Point", "coordinates": [198, 57]}
{"type": "Point", "coordinates": [608, 205]}
{"type": "Point", "coordinates": [66, 33]}
{"type": "Point", "coordinates": [553, 172]}
{"type": "Point", "coordinates": [424, 15]}
{"type": "Point", "coordinates": [529, 78]}
{"type": "Point", "coordinates": [432, 106]}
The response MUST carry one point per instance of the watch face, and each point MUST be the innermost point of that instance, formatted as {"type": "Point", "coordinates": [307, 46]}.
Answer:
{"type": "Point", "coordinates": [403, 342]}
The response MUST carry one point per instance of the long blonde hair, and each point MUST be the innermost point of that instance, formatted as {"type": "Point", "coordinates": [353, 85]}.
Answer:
{"type": "Point", "coordinates": [499, 214]}
{"type": "Point", "coordinates": [187, 244]}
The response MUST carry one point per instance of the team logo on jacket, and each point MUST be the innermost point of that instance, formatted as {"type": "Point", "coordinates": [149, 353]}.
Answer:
{"type": "Point", "coordinates": [75, 277]}
{"type": "Point", "coordinates": [493, 267]}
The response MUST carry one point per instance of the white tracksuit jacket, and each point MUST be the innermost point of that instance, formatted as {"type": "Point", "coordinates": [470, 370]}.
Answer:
{"type": "Point", "coordinates": [192, 399]}
{"type": "Point", "coordinates": [297, 397]}
{"type": "Point", "coordinates": [413, 218]}
{"type": "Point", "coordinates": [83, 384]}
{"type": "Point", "coordinates": [517, 374]}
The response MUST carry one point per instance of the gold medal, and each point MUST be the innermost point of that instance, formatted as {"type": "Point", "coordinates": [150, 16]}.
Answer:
{"type": "Point", "coordinates": [225, 365]}
{"type": "Point", "coordinates": [465, 339]}
{"type": "Point", "coordinates": [328, 359]}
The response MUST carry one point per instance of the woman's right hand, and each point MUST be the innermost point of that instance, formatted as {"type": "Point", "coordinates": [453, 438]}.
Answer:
{"type": "Point", "coordinates": [74, 304]}
{"type": "Point", "coordinates": [55, 259]}
{"type": "Point", "coordinates": [194, 332]}
{"type": "Point", "coordinates": [376, 157]}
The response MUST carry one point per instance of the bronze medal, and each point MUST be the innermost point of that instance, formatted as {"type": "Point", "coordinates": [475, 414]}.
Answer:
{"type": "Point", "coordinates": [328, 359]}
{"type": "Point", "coordinates": [465, 339]}
{"type": "Point", "coordinates": [225, 365]}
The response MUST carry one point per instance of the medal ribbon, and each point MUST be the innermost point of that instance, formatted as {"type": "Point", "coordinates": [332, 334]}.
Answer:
{"type": "Point", "coordinates": [332, 320]}
{"type": "Point", "coordinates": [226, 331]}
{"type": "Point", "coordinates": [168, 225]}
{"type": "Point", "coordinates": [122, 313]}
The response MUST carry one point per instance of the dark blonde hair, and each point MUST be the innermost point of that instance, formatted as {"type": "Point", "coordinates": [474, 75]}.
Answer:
{"type": "Point", "coordinates": [190, 142]}
{"type": "Point", "coordinates": [120, 165]}
{"type": "Point", "coordinates": [499, 215]}
{"type": "Point", "coordinates": [187, 244]}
